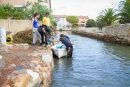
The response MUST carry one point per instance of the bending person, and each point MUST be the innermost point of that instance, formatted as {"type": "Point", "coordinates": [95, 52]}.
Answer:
{"type": "Point", "coordinates": [68, 44]}
{"type": "Point", "coordinates": [44, 37]}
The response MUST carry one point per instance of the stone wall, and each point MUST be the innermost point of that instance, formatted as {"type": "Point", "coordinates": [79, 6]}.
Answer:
{"type": "Point", "coordinates": [102, 36]}
{"type": "Point", "coordinates": [15, 25]}
{"type": "Point", "coordinates": [34, 69]}
{"type": "Point", "coordinates": [121, 31]}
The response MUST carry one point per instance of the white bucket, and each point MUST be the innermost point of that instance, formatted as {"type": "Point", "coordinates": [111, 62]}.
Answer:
{"type": "Point", "coordinates": [2, 36]}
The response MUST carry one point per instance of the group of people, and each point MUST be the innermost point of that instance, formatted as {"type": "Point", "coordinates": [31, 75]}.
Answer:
{"type": "Point", "coordinates": [43, 32]}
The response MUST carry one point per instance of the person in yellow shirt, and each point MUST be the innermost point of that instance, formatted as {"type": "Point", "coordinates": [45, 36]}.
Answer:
{"type": "Point", "coordinates": [46, 21]}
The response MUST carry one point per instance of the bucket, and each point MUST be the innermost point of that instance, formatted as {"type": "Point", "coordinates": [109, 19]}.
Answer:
{"type": "Point", "coordinates": [2, 36]}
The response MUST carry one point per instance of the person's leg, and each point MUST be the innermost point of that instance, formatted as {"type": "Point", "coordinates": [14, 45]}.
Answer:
{"type": "Point", "coordinates": [68, 52]}
{"type": "Point", "coordinates": [42, 40]}
{"type": "Point", "coordinates": [46, 39]}
{"type": "Point", "coordinates": [71, 52]}
{"type": "Point", "coordinates": [39, 36]}
{"type": "Point", "coordinates": [34, 38]}
{"type": "Point", "coordinates": [49, 29]}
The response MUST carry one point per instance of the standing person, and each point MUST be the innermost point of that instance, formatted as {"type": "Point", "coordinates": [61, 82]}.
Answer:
{"type": "Point", "coordinates": [46, 21]}
{"type": "Point", "coordinates": [35, 29]}
{"type": "Point", "coordinates": [68, 44]}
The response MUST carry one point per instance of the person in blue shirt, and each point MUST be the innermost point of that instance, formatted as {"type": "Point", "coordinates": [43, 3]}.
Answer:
{"type": "Point", "coordinates": [67, 43]}
{"type": "Point", "coordinates": [35, 29]}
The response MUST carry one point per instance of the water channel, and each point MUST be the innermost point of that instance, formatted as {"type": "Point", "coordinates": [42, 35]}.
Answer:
{"type": "Point", "coordinates": [95, 64]}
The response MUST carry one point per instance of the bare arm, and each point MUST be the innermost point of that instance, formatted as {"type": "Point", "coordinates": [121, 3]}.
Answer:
{"type": "Point", "coordinates": [55, 41]}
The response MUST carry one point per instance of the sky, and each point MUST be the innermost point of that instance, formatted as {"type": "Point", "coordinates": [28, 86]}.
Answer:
{"type": "Point", "coordinates": [90, 8]}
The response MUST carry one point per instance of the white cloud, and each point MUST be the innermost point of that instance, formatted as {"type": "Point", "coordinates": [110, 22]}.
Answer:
{"type": "Point", "coordinates": [82, 7]}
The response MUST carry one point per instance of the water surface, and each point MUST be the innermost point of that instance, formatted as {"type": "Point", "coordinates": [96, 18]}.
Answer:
{"type": "Point", "coordinates": [95, 64]}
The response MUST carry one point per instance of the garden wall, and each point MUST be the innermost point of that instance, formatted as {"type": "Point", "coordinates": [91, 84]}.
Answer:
{"type": "Point", "coordinates": [15, 25]}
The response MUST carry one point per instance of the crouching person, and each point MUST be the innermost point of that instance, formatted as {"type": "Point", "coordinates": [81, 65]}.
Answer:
{"type": "Point", "coordinates": [44, 36]}
{"type": "Point", "coordinates": [67, 43]}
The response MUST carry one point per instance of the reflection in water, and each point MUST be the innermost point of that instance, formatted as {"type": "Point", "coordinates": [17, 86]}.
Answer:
{"type": "Point", "coordinates": [95, 64]}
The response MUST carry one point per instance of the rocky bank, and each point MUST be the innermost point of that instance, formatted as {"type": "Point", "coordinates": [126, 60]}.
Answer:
{"type": "Point", "coordinates": [26, 66]}
{"type": "Point", "coordinates": [104, 37]}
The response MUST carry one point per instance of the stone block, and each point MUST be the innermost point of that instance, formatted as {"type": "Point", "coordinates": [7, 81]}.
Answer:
{"type": "Point", "coordinates": [43, 69]}
{"type": "Point", "coordinates": [49, 66]}
{"type": "Point", "coordinates": [21, 80]}
{"type": "Point", "coordinates": [34, 75]}
{"type": "Point", "coordinates": [46, 58]}
{"type": "Point", "coordinates": [22, 46]}
{"type": "Point", "coordinates": [7, 86]}
{"type": "Point", "coordinates": [34, 55]}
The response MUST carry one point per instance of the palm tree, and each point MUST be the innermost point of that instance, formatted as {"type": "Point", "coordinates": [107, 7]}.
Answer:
{"type": "Point", "coordinates": [108, 16]}
{"type": "Point", "coordinates": [124, 9]}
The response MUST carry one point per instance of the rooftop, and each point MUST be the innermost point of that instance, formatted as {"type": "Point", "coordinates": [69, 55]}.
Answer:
{"type": "Point", "coordinates": [64, 16]}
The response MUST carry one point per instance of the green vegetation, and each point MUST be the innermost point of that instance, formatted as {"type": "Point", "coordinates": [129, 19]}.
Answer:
{"type": "Point", "coordinates": [32, 8]}
{"type": "Point", "coordinates": [25, 12]}
{"type": "Point", "coordinates": [91, 23]}
{"type": "Point", "coordinates": [108, 16]}
{"type": "Point", "coordinates": [112, 16]}
{"type": "Point", "coordinates": [72, 19]}
{"type": "Point", "coordinates": [124, 8]}
{"type": "Point", "coordinates": [8, 10]}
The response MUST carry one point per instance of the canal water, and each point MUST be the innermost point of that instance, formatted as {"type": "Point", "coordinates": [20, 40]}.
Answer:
{"type": "Point", "coordinates": [95, 64]}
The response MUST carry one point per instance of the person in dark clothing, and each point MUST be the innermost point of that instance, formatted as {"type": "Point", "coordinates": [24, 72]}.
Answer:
{"type": "Point", "coordinates": [66, 36]}
{"type": "Point", "coordinates": [68, 44]}
{"type": "Point", "coordinates": [43, 31]}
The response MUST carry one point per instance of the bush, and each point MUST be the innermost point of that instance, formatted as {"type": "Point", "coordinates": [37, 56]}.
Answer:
{"type": "Point", "coordinates": [23, 37]}
{"type": "Point", "coordinates": [91, 23]}
{"type": "Point", "coordinates": [72, 19]}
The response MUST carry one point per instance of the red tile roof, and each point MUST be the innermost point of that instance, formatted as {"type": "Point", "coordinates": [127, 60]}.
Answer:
{"type": "Point", "coordinates": [64, 16]}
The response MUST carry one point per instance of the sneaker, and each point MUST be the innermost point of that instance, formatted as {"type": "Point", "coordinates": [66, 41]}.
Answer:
{"type": "Point", "coordinates": [41, 44]}
{"type": "Point", "coordinates": [44, 45]}
{"type": "Point", "coordinates": [34, 44]}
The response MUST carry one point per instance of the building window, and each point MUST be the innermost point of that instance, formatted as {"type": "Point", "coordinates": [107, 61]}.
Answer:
{"type": "Point", "coordinates": [59, 25]}
{"type": "Point", "coordinates": [57, 19]}
{"type": "Point", "coordinates": [63, 19]}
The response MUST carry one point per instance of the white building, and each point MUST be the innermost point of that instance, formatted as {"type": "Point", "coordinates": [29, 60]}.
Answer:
{"type": "Point", "coordinates": [63, 24]}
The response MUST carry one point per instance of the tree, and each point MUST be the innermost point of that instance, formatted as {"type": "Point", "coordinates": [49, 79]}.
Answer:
{"type": "Point", "coordinates": [7, 10]}
{"type": "Point", "coordinates": [100, 23]}
{"type": "Point", "coordinates": [91, 23]}
{"type": "Point", "coordinates": [32, 8]}
{"type": "Point", "coordinates": [108, 16]}
{"type": "Point", "coordinates": [72, 19]}
{"type": "Point", "coordinates": [124, 8]}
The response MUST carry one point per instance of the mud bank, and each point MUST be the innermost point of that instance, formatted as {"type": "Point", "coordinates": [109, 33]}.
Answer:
{"type": "Point", "coordinates": [26, 66]}
{"type": "Point", "coordinates": [103, 37]}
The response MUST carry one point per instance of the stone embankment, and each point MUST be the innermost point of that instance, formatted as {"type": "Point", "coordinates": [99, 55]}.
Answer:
{"type": "Point", "coordinates": [104, 37]}
{"type": "Point", "coordinates": [26, 66]}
